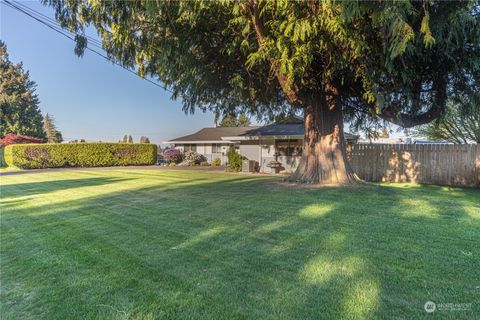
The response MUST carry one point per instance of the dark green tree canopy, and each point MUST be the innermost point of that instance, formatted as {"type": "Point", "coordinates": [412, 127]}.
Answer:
{"type": "Point", "coordinates": [233, 121]}
{"type": "Point", "coordinates": [398, 61]}
{"type": "Point", "coordinates": [19, 111]}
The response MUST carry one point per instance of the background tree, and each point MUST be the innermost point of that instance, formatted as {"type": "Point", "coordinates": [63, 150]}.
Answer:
{"type": "Point", "coordinates": [52, 133]}
{"type": "Point", "coordinates": [228, 121]}
{"type": "Point", "coordinates": [384, 133]}
{"type": "Point", "coordinates": [125, 139]}
{"type": "Point", "coordinates": [144, 139]}
{"type": "Point", "coordinates": [130, 139]}
{"type": "Point", "coordinates": [19, 112]}
{"type": "Point", "coordinates": [330, 61]}
{"type": "Point", "coordinates": [233, 121]}
{"type": "Point", "coordinates": [460, 123]}
{"type": "Point", "coordinates": [243, 120]}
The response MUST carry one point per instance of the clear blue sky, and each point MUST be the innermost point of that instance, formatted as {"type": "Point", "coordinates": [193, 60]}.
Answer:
{"type": "Point", "coordinates": [90, 97]}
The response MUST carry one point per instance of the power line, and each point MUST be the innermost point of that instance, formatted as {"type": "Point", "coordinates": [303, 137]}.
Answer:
{"type": "Point", "coordinates": [96, 42]}
{"type": "Point", "coordinates": [53, 25]}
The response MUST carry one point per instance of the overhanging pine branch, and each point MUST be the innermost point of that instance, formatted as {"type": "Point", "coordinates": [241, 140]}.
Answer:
{"type": "Point", "coordinates": [406, 120]}
{"type": "Point", "coordinates": [290, 90]}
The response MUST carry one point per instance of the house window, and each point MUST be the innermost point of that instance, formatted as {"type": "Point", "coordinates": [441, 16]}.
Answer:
{"type": "Point", "coordinates": [288, 148]}
{"type": "Point", "coordinates": [216, 148]}
{"type": "Point", "coordinates": [190, 147]}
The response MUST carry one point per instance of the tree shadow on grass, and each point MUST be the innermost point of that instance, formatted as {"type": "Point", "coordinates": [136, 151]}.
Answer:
{"type": "Point", "coordinates": [41, 187]}
{"type": "Point", "coordinates": [243, 247]}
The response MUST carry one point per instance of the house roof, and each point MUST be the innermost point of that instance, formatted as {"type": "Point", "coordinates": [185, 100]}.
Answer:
{"type": "Point", "coordinates": [229, 134]}
{"type": "Point", "coordinates": [295, 129]}
{"type": "Point", "coordinates": [212, 135]}
{"type": "Point", "coordinates": [286, 129]}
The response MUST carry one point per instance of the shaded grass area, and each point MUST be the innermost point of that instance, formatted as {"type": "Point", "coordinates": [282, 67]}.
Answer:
{"type": "Point", "coordinates": [132, 244]}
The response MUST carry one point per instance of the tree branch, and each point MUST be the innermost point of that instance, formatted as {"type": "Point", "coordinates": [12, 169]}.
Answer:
{"type": "Point", "coordinates": [407, 120]}
{"type": "Point", "coordinates": [290, 90]}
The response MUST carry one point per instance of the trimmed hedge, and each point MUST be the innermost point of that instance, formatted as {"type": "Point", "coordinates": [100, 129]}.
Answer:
{"type": "Point", "coordinates": [97, 154]}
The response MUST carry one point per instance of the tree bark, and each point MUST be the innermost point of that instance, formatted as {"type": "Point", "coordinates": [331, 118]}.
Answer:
{"type": "Point", "coordinates": [324, 158]}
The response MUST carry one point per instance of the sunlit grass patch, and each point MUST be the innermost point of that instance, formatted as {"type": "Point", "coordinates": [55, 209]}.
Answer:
{"type": "Point", "coordinates": [184, 244]}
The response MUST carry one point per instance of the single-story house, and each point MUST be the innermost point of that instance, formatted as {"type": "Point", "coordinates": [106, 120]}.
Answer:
{"type": "Point", "coordinates": [280, 142]}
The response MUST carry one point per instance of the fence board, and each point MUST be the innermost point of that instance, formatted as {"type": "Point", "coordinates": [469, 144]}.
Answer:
{"type": "Point", "coordinates": [445, 164]}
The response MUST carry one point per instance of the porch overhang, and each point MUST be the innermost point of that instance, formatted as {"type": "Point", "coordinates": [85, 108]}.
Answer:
{"type": "Point", "coordinates": [198, 142]}
{"type": "Point", "coordinates": [249, 138]}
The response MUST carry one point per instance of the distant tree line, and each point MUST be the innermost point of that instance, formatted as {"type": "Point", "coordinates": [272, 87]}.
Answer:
{"type": "Point", "coordinates": [230, 120]}
{"type": "Point", "coordinates": [128, 139]}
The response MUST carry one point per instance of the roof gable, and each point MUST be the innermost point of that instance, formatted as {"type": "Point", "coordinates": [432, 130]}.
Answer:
{"type": "Point", "coordinates": [213, 134]}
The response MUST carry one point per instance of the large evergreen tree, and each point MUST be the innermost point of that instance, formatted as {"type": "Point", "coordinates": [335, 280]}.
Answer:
{"type": "Point", "coordinates": [49, 127]}
{"type": "Point", "coordinates": [362, 62]}
{"type": "Point", "coordinates": [19, 112]}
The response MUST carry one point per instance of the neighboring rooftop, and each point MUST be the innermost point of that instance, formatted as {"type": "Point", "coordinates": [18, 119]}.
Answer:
{"type": "Point", "coordinates": [213, 134]}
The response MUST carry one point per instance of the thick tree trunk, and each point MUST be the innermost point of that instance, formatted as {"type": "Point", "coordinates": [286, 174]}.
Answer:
{"type": "Point", "coordinates": [324, 158]}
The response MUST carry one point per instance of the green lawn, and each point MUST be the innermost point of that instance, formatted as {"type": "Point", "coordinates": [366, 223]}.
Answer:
{"type": "Point", "coordinates": [180, 244]}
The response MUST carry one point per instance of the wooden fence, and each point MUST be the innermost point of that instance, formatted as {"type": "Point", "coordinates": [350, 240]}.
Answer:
{"type": "Point", "coordinates": [445, 164]}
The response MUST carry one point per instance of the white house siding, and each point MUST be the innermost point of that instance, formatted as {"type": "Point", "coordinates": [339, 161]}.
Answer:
{"type": "Point", "coordinates": [262, 153]}
{"type": "Point", "coordinates": [267, 154]}
{"type": "Point", "coordinates": [205, 149]}
{"type": "Point", "coordinates": [179, 147]}
{"type": "Point", "coordinates": [250, 150]}
{"type": "Point", "coordinates": [201, 149]}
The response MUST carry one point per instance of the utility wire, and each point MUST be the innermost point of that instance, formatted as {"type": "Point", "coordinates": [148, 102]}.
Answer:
{"type": "Point", "coordinates": [53, 25]}
{"type": "Point", "coordinates": [96, 42]}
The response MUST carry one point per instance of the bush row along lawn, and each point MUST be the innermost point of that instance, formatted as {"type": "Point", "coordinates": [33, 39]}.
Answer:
{"type": "Point", "coordinates": [184, 244]}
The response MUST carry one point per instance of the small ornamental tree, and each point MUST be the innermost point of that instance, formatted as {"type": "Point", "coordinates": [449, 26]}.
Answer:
{"type": "Point", "coordinates": [234, 160]}
{"type": "Point", "coordinates": [216, 162]}
{"type": "Point", "coordinates": [173, 155]}
{"type": "Point", "coordinates": [11, 138]}
{"type": "Point", "coordinates": [331, 61]}
{"type": "Point", "coordinates": [192, 158]}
